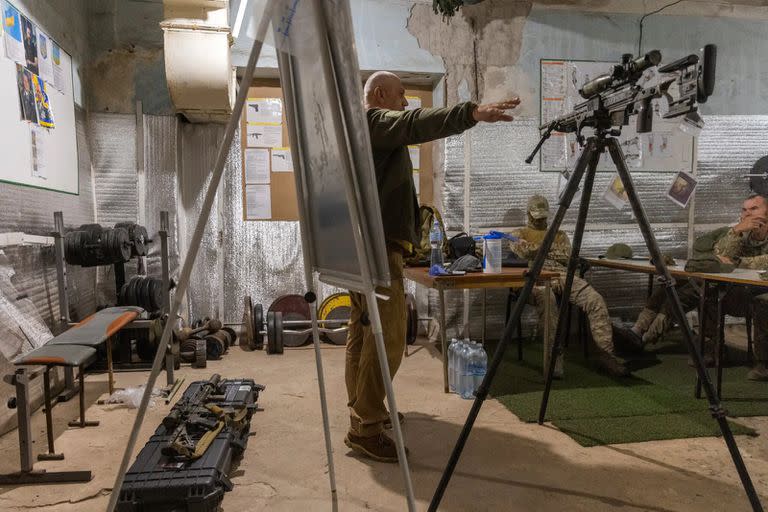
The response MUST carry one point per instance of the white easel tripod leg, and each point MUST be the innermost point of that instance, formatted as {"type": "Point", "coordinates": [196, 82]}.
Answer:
{"type": "Point", "coordinates": [323, 402]}
{"type": "Point", "coordinates": [381, 351]}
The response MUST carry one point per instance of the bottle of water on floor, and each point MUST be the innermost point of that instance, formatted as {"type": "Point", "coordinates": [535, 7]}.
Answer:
{"type": "Point", "coordinates": [479, 365]}
{"type": "Point", "coordinates": [453, 350]}
{"type": "Point", "coordinates": [467, 379]}
{"type": "Point", "coordinates": [436, 242]}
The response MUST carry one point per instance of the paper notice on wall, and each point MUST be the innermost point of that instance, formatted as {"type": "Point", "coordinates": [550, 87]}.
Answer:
{"type": "Point", "coordinates": [282, 160]}
{"type": "Point", "coordinates": [45, 61]}
{"type": "Point", "coordinates": [264, 110]}
{"type": "Point", "coordinates": [38, 152]}
{"type": "Point", "coordinates": [258, 202]}
{"type": "Point", "coordinates": [14, 42]}
{"type": "Point", "coordinates": [264, 135]}
{"type": "Point", "coordinates": [615, 195]}
{"type": "Point", "coordinates": [256, 166]}
{"type": "Point", "coordinates": [43, 105]}
{"type": "Point", "coordinates": [414, 102]}
{"type": "Point", "coordinates": [415, 153]}
{"type": "Point", "coordinates": [58, 70]}
{"type": "Point", "coordinates": [682, 189]}
{"type": "Point", "coordinates": [553, 78]}
{"type": "Point", "coordinates": [416, 182]}
{"type": "Point", "coordinates": [554, 152]}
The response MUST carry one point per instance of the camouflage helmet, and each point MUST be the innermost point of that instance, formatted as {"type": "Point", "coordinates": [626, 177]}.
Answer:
{"type": "Point", "coordinates": [619, 251]}
{"type": "Point", "coordinates": [538, 207]}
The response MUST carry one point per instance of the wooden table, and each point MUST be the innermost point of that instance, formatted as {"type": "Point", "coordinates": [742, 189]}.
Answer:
{"type": "Point", "coordinates": [722, 281]}
{"type": "Point", "coordinates": [509, 277]}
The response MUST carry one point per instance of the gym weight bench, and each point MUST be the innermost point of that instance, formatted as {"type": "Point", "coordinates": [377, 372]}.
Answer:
{"type": "Point", "coordinates": [74, 348]}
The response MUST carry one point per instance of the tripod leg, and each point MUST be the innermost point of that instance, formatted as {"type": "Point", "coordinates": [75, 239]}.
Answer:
{"type": "Point", "coordinates": [565, 309]}
{"type": "Point", "coordinates": [498, 355]}
{"type": "Point", "coordinates": [661, 267]}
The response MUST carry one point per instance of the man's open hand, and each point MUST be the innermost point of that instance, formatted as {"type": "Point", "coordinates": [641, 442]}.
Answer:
{"type": "Point", "coordinates": [494, 112]}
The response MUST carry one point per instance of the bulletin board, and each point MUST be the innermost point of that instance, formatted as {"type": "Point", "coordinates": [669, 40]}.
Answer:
{"type": "Point", "coordinates": [665, 149]}
{"type": "Point", "coordinates": [38, 143]}
{"type": "Point", "coordinates": [278, 183]}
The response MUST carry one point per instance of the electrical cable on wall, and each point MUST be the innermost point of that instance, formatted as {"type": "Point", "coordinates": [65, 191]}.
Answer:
{"type": "Point", "coordinates": [642, 19]}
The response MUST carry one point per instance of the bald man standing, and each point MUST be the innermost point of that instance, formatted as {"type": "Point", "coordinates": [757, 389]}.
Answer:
{"type": "Point", "coordinates": [392, 129]}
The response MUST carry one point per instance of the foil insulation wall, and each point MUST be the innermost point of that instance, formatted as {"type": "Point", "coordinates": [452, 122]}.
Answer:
{"type": "Point", "coordinates": [161, 189]}
{"type": "Point", "coordinates": [113, 143]}
{"type": "Point", "coordinates": [198, 147]}
{"type": "Point", "coordinates": [501, 182]}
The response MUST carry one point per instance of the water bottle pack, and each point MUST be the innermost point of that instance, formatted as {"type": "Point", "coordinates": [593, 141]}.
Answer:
{"type": "Point", "coordinates": [467, 364]}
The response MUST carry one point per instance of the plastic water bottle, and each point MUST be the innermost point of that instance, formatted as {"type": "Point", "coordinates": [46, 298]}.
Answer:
{"type": "Point", "coordinates": [466, 379]}
{"type": "Point", "coordinates": [436, 243]}
{"type": "Point", "coordinates": [478, 365]}
{"type": "Point", "coordinates": [453, 350]}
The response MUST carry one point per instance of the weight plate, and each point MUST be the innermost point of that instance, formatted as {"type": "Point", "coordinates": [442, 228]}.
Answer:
{"type": "Point", "coordinates": [335, 307]}
{"type": "Point", "coordinates": [201, 351]}
{"type": "Point", "coordinates": [294, 308]}
{"type": "Point", "coordinates": [122, 244]}
{"type": "Point", "coordinates": [279, 333]}
{"type": "Point", "coordinates": [145, 347]}
{"type": "Point", "coordinates": [247, 336]}
{"type": "Point", "coordinates": [156, 291]}
{"type": "Point", "coordinates": [412, 316]}
{"type": "Point", "coordinates": [258, 327]}
{"type": "Point", "coordinates": [214, 347]}
{"type": "Point", "coordinates": [270, 332]}
{"type": "Point", "coordinates": [140, 237]}
{"type": "Point", "coordinates": [231, 336]}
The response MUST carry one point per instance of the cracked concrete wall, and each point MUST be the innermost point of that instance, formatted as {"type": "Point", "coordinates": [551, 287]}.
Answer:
{"type": "Point", "coordinates": [493, 49]}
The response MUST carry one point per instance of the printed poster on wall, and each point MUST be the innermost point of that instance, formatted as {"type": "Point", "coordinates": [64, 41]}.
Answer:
{"type": "Point", "coordinates": [14, 44]}
{"type": "Point", "coordinates": [58, 70]}
{"type": "Point", "coordinates": [264, 135]}
{"type": "Point", "coordinates": [27, 105]}
{"type": "Point", "coordinates": [44, 115]}
{"type": "Point", "coordinates": [29, 34]}
{"type": "Point", "coordinates": [44, 55]}
{"type": "Point", "coordinates": [264, 110]}
{"type": "Point", "coordinates": [282, 160]}
{"type": "Point", "coordinates": [256, 166]}
{"type": "Point", "coordinates": [37, 137]}
{"type": "Point", "coordinates": [258, 202]}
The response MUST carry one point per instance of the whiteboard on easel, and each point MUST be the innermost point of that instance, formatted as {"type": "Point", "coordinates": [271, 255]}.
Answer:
{"type": "Point", "coordinates": [665, 149]}
{"type": "Point", "coordinates": [38, 144]}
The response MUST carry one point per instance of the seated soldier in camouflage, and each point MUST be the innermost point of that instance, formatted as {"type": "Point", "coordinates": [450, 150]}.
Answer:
{"type": "Point", "coordinates": [656, 317]}
{"type": "Point", "coordinates": [744, 245]}
{"type": "Point", "coordinates": [583, 295]}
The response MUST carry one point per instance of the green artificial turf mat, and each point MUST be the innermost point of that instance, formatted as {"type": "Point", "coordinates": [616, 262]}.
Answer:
{"type": "Point", "coordinates": [657, 402]}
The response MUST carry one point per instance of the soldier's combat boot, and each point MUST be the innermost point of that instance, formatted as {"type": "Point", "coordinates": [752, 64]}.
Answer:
{"type": "Point", "coordinates": [379, 447]}
{"type": "Point", "coordinates": [610, 364]}
{"type": "Point", "coordinates": [626, 340]}
{"type": "Point", "coordinates": [759, 372]}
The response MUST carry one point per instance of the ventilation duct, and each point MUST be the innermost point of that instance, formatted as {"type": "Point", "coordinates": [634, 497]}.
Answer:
{"type": "Point", "coordinates": [198, 69]}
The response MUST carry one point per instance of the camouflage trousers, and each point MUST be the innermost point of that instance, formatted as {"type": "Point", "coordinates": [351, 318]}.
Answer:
{"type": "Point", "coordinates": [588, 300]}
{"type": "Point", "coordinates": [656, 317]}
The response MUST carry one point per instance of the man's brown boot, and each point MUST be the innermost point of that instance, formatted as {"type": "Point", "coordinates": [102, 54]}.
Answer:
{"type": "Point", "coordinates": [379, 447]}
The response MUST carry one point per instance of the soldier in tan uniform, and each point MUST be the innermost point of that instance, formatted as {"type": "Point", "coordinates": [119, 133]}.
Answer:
{"type": "Point", "coordinates": [583, 295]}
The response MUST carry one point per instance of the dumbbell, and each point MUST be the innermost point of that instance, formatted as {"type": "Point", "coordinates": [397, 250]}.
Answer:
{"type": "Point", "coordinates": [186, 333]}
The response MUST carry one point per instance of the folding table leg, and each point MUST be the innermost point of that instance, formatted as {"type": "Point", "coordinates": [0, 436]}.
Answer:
{"type": "Point", "coordinates": [81, 423]}
{"type": "Point", "coordinates": [51, 455]}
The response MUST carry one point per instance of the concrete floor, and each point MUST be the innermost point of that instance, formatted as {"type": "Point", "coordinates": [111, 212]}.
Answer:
{"type": "Point", "coordinates": [507, 465]}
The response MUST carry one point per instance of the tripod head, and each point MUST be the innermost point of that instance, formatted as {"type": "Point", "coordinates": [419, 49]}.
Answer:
{"type": "Point", "coordinates": [613, 98]}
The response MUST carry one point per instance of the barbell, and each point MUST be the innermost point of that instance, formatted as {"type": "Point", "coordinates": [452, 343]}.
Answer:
{"type": "Point", "coordinates": [333, 317]}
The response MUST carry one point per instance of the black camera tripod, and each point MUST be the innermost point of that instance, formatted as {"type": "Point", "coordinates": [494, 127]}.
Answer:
{"type": "Point", "coordinates": [587, 163]}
